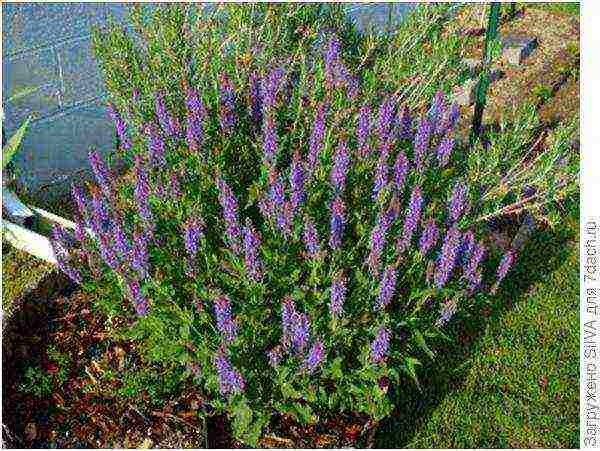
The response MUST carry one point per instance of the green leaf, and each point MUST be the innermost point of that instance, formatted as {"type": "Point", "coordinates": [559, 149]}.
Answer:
{"type": "Point", "coordinates": [421, 343]}
{"type": "Point", "coordinates": [13, 144]}
{"type": "Point", "coordinates": [411, 364]}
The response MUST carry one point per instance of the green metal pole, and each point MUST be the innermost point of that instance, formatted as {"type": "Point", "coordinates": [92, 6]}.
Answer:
{"type": "Point", "coordinates": [484, 78]}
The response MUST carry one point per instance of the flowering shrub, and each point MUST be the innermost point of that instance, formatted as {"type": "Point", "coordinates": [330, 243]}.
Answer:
{"type": "Point", "coordinates": [287, 240]}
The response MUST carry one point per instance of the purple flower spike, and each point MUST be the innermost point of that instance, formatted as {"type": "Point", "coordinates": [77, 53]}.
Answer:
{"type": "Point", "coordinates": [332, 60]}
{"type": "Point", "coordinates": [311, 239]}
{"type": "Point", "coordinates": [140, 258]}
{"type": "Point", "coordinates": [401, 167]}
{"type": "Point", "coordinates": [225, 323]}
{"type": "Point", "coordinates": [297, 178]}
{"type": "Point", "coordinates": [120, 239]}
{"type": "Point", "coordinates": [271, 88]}
{"type": "Point", "coordinates": [101, 172]}
{"type": "Point", "coordinates": [338, 296]}
{"type": "Point", "coordinates": [156, 145]}
{"type": "Point", "coordinates": [363, 128]}
{"type": "Point", "coordinates": [413, 216]}
{"type": "Point", "coordinates": [378, 238]}
{"type": "Point", "coordinates": [107, 253]}
{"type": "Point", "coordinates": [230, 380]}
{"type": "Point", "coordinates": [193, 231]}
{"type": "Point", "coordinates": [196, 115]}
{"type": "Point", "coordinates": [429, 237]}
{"type": "Point", "coordinates": [450, 120]}
{"type": "Point", "coordinates": [315, 356]}
{"type": "Point", "coordinates": [99, 220]}
{"type": "Point", "coordinates": [421, 145]}
{"type": "Point", "coordinates": [301, 333]}
{"type": "Point", "coordinates": [288, 313]}
{"type": "Point", "coordinates": [338, 220]}
{"type": "Point", "coordinates": [458, 201]}
{"type": "Point", "coordinates": [230, 215]}
{"type": "Point", "coordinates": [386, 119]}
{"type": "Point", "coordinates": [447, 259]}
{"type": "Point", "coordinates": [251, 248]}
{"type": "Point", "coordinates": [339, 171]}
{"type": "Point", "coordinates": [80, 199]}
{"type": "Point", "coordinates": [444, 150]}
{"type": "Point", "coordinates": [381, 344]}
{"type": "Point", "coordinates": [406, 124]}
{"type": "Point", "coordinates": [382, 171]}
{"type": "Point", "coordinates": [255, 98]}
{"type": "Point", "coordinates": [269, 140]}
{"type": "Point", "coordinates": [387, 287]}
{"type": "Point", "coordinates": [227, 105]}
{"type": "Point", "coordinates": [472, 274]}
{"type": "Point", "coordinates": [316, 138]}
{"type": "Point", "coordinates": [505, 264]}
{"type": "Point", "coordinates": [438, 111]}
{"type": "Point", "coordinates": [139, 300]}
{"type": "Point", "coordinates": [120, 126]}
{"type": "Point", "coordinates": [167, 121]}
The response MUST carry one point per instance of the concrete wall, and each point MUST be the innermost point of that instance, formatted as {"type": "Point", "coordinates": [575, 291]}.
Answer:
{"type": "Point", "coordinates": [47, 46]}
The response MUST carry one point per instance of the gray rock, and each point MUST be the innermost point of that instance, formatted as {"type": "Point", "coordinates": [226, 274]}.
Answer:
{"type": "Point", "coordinates": [517, 48]}
{"type": "Point", "coordinates": [465, 95]}
{"type": "Point", "coordinates": [474, 65]}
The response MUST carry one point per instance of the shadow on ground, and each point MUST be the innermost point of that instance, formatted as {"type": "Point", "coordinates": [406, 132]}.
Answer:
{"type": "Point", "coordinates": [542, 255]}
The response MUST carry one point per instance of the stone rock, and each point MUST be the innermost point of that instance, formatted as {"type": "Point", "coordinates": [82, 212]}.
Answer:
{"type": "Point", "coordinates": [474, 65]}
{"type": "Point", "coordinates": [465, 95]}
{"type": "Point", "coordinates": [517, 48]}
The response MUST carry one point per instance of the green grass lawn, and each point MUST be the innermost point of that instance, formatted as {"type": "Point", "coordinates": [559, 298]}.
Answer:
{"type": "Point", "coordinates": [513, 379]}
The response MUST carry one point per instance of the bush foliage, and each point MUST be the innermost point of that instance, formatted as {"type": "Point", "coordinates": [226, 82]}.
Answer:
{"type": "Point", "coordinates": [288, 231]}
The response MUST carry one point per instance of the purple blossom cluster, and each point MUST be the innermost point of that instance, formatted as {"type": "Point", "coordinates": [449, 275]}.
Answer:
{"type": "Point", "coordinates": [504, 266]}
{"type": "Point", "coordinates": [458, 201]}
{"type": "Point", "coordinates": [311, 239]}
{"type": "Point", "coordinates": [363, 129]}
{"type": "Point", "coordinates": [378, 237]}
{"type": "Point", "coordinates": [387, 287]}
{"type": "Point", "coordinates": [297, 180]}
{"type": "Point", "coordinates": [338, 295]}
{"type": "Point", "coordinates": [444, 150]}
{"type": "Point", "coordinates": [225, 323]}
{"type": "Point", "coordinates": [341, 163]}
{"type": "Point", "coordinates": [448, 257]}
{"type": "Point", "coordinates": [429, 237]}
{"type": "Point", "coordinates": [167, 121]}
{"type": "Point", "coordinates": [141, 192]}
{"type": "Point", "coordinates": [412, 218]}
{"type": "Point", "coordinates": [230, 379]}
{"type": "Point", "coordinates": [386, 120]}
{"type": "Point", "coordinates": [421, 144]}
{"type": "Point", "coordinates": [156, 146]}
{"type": "Point", "coordinates": [193, 231]}
{"type": "Point", "coordinates": [337, 222]}
{"type": "Point", "coordinates": [251, 249]}
{"type": "Point", "coordinates": [382, 171]}
{"type": "Point", "coordinates": [315, 356]}
{"type": "Point", "coordinates": [401, 167]}
{"type": "Point", "coordinates": [381, 344]}
{"type": "Point", "coordinates": [120, 127]}
{"type": "Point", "coordinates": [271, 87]}
{"type": "Point", "coordinates": [447, 312]}
{"type": "Point", "coordinates": [140, 301]}
{"type": "Point", "coordinates": [230, 215]}
{"type": "Point", "coordinates": [196, 116]}
{"type": "Point", "coordinates": [269, 140]}
{"type": "Point", "coordinates": [405, 124]}
{"type": "Point", "coordinates": [102, 173]}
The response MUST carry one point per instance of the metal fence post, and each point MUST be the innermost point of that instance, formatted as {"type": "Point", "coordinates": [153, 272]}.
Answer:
{"type": "Point", "coordinates": [484, 78]}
